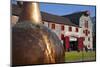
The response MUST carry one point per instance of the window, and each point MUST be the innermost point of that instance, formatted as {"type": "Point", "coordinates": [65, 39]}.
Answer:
{"type": "Point", "coordinates": [86, 24]}
{"type": "Point", "coordinates": [88, 32]}
{"type": "Point", "coordinates": [83, 31]}
{"type": "Point", "coordinates": [88, 38]}
{"type": "Point", "coordinates": [53, 26]}
{"type": "Point", "coordinates": [62, 27]}
{"type": "Point", "coordinates": [70, 28]}
{"type": "Point", "coordinates": [62, 36]}
{"type": "Point", "coordinates": [76, 29]}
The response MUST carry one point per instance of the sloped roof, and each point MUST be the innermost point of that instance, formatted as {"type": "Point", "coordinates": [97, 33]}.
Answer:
{"type": "Point", "coordinates": [56, 19]}
{"type": "Point", "coordinates": [16, 10]}
{"type": "Point", "coordinates": [74, 17]}
{"type": "Point", "coordinates": [46, 17]}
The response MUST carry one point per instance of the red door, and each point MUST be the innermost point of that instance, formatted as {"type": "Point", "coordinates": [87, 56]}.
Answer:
{"type": "Point", "coordinates": [80, 43]}
{"type": "Point", "coordinates": [67, 42]}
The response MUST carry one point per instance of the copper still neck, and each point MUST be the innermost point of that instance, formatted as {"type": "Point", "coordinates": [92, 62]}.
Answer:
{"type": "Point", "coordinates": [31, 12]}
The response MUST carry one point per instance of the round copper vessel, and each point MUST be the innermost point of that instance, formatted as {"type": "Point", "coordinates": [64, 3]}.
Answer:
{"type": "Point", "coordinates": [32, 42]}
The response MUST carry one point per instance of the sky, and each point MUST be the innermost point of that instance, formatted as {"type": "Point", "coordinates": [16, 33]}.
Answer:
{"type": "Point", "coordinates": [64, 9]}
{"type": "Point", "coordinates": [13, 1]}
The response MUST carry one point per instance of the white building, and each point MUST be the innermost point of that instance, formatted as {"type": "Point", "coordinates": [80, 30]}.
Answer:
{"type": "Point", "coordinates": [74, 36]}
{"type": "Point", "coordinates": [84, 21]}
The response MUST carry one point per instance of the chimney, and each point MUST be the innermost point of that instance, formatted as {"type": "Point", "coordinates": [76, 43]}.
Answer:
{"type": "Point", "coordinates": [31, 12]}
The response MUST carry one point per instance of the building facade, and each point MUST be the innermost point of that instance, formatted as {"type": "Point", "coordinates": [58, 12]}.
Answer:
{"type": "Point", "coordinates": [74, 36]}
{"type": "Point", "coordinates": [86, 24]}
{"type": "Point", "coordinates": [84, 21]}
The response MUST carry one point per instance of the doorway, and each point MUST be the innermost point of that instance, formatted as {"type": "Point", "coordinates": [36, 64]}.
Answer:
{"type": "Point", "coordinates": [73, 45]}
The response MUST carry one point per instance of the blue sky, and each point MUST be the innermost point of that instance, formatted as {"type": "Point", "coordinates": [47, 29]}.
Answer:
{"type": "Point", "coordinates": [64, 9]}
{"type": "Point", "coordinates": [59, 9]}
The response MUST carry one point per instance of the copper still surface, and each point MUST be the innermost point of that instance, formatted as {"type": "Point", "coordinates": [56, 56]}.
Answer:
{"type": "Point", "coordinates": [33, 43]}
{"type": "Point", "coordinates": [31, 12]}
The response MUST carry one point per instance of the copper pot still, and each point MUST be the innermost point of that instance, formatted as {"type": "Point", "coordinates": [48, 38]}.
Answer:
{"type": "Point", "coordinates": [32, 42]}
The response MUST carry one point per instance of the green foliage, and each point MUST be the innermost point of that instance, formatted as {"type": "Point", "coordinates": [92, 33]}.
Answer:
{"type": "Point", "coordinates": [74, 56]}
